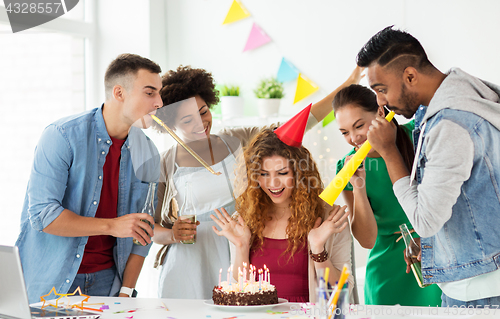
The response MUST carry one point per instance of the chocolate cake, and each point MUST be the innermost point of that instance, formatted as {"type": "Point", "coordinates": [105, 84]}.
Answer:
{"type": "Point", "coordinates": [232, 295]}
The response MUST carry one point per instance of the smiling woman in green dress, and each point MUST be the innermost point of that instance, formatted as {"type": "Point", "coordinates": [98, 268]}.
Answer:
{"type": "Point", "coordinates": [375, 211]}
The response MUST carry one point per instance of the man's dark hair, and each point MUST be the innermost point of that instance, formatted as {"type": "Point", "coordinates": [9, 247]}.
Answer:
{"type": "Point", "coordinates": [395, 47]}
{"type": "Point", "coordinates": [123, 67]}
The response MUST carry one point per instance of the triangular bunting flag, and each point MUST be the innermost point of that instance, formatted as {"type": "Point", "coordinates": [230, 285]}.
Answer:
{"type": "Point", "coordinates": [287, 72]}
{"type": "Point", "coordinates": [292, 131]}
{"type": "Point", "coordinates": [328, 119]}
{"type": "Point", "coordinates": [305, 87]}
{"type": "Point", "coordinates": [236, 13]}
{"type": "Point", "coordinates": [256, 38]}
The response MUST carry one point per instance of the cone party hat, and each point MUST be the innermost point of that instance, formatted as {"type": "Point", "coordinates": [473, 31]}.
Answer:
{"type": "Point", "coordinates": [292, 131]}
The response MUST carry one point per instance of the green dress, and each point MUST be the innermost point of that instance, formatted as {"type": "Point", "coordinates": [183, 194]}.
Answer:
{"type": "Point", "coordinates": [386, 280]}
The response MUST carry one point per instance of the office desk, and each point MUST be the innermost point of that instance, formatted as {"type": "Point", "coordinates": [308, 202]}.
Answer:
{"type": "Point", "coordinates": [150, 308]}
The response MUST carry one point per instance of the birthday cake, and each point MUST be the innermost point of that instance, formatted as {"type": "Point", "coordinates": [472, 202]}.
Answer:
{"type": "Point", "coordinates": [253, 293]}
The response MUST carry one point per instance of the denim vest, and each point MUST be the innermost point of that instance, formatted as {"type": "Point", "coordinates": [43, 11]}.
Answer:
{"type": "Point", "coordinates": [67, 173]}
{"type": "Point", "coordinates": [468, 244]}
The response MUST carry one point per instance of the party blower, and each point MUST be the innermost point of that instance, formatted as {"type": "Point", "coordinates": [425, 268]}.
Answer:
{"type": "Point", "coordinates": [332, 191]}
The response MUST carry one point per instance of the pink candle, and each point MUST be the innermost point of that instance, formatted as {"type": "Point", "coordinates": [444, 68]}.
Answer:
{"type": "Point", "coordinates": [220, 274]}
{"type": "Point", "coordinates": [244, 272]}
{"type": "Point", "coordinates": [265, 272]}
{"type": "Point", "coordinates": [268, 275]}
{"type": "Point", "coordinates": [240, 278]}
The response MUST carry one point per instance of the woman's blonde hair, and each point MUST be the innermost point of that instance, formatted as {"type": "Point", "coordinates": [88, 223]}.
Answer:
{"type": "Point", "coordinates": [254, 204]}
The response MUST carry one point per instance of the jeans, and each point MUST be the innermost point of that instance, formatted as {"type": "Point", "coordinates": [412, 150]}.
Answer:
{"type": "Point", "coordinates": [479, 303]}
{"type": "Point", "coordinates": [95, 284]}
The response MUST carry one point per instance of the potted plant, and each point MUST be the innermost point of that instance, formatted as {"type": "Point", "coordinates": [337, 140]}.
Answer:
{"type": "Point", "coordinates": [231, 102]}
{"type": "Point", "coordinates": [269, 92]}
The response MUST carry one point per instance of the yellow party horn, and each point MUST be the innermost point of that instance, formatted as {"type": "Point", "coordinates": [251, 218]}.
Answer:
{"type": "Point", "coordinates": [337, 185]}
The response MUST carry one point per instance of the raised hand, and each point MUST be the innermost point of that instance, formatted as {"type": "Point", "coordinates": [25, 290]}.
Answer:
{"type": "Point", "coordinates": [236, 231]}
{"type": "Point", "coordinates": [336, 222]}
{"type": "Point", "coordinates": [356, 75]}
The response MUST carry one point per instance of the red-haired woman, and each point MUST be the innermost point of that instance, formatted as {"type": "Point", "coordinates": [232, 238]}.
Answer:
{"type": "Point", "coordinates": [281, 221]}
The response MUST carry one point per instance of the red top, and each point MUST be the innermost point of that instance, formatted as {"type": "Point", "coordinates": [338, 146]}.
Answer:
{"type": "Point", "coordinates": [98, 254]}
{"type": "Point", "coordinates": [289, 276]}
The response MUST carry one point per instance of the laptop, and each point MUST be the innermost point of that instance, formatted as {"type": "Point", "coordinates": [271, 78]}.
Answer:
{"type": "Point", "coordinates": [14, 298]}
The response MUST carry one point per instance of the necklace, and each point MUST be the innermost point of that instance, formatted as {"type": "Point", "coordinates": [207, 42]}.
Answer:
{"type": "Point", "coordinates": [277, 220]}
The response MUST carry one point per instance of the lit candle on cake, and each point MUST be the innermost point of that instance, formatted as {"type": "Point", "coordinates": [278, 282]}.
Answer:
{"type": "Point", "coordinates": [231, 276]}
{"type": "Point", "coordinates": [265, 272]}
{"type": "Point", "coordinates": [228, 270]}
{"type": "Point", "coordinates": [240, 278]}
{"type": "Point", "coordinates": [244, 272]}
{"type": "Point", "coordinates": [220, 274]}
{"type": "Point", "coordinates": [268, 275]}
{"type": "Point", "coordinates": [260, 279]}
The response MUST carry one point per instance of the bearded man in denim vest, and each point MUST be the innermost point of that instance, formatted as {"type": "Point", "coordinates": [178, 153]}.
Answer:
{"type": "Point", "coordinates": [81, 207]}
{"type": "Point", "coordinates": [452, 196]}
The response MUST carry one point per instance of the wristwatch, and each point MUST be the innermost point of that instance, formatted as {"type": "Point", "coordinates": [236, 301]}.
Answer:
{"type": "Point", "coordinates": [127, 291]}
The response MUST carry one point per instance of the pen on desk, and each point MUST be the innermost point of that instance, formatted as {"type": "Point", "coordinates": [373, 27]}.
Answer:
{"type": "Point", "coordinates": [343, 278]}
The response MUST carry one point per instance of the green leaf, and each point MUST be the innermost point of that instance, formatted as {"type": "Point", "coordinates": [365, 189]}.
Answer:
{"type": "Point", "coordinates": [229, 90]}
{"type": "Point", "coordinates": [269, 88]}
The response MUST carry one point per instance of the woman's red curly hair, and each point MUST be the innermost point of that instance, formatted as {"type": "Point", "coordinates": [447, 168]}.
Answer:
{"type": "Point", "coordinates": [254, 204]}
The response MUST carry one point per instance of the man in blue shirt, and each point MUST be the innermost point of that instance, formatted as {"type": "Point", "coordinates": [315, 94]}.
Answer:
{"type": "Point", "coordinates": [82, 204]}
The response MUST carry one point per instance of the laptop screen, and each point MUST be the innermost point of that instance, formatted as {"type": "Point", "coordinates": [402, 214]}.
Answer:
{"type": "Point", "coordinates": [13, 297]}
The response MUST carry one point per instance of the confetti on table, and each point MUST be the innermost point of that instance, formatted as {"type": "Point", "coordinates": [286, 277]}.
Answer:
{"type": "Point", "coordinates": [122, 311]}
{"type": "Point", "coordinates": [104, 307]}
{"type": "Point", "coordinates": [129, 317]}
{"type": "Point", "coordinates": [276, 312]}
{"type": "Point", "coordinates": [117, 303]}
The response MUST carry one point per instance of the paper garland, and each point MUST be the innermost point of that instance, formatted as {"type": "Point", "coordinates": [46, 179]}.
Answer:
{"type": "Point", "coordinates": [328, 119]}
{"type": "Point", "coordinates": [287, 72]}
{"type": "Point", "coordinates": [305, 87]}
{"type": "Point", "coordinates": [256, 38]}
{"type": "Point", "coordinates": [236, 12]}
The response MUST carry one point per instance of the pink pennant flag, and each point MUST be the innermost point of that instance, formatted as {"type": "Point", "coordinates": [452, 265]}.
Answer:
{"type": "Point", "coordinates": [256, 38]}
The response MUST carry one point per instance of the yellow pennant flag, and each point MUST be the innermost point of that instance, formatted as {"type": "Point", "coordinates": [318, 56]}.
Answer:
{"type": "Point", "coordinates": [236, 12]}
{"type": "Point", "coordinates": [305, 87]}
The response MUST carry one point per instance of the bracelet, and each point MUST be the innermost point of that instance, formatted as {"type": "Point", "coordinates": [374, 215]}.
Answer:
{"type": "Point", "coordinates": [127, 291]}
{"type": "Point", "coordinates": [319, 258]}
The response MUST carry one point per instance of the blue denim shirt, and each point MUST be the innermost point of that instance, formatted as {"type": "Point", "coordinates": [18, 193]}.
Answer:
{"type": "Point", "coordinates": [468, 244]}
{"type": "Point", "coordinates": [67, 173]}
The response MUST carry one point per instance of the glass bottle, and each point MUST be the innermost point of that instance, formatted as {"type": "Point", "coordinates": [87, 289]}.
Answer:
{"type": "Point", "coordinates": [188, 211]}
{"type": "Point", "coordinates": [149, 207]}
{"type": "Point", "coordinates": [412, 251]}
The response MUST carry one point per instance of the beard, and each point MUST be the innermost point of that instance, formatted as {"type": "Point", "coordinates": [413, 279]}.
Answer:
{"type": "Point", "coordinates": [409, 102]}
